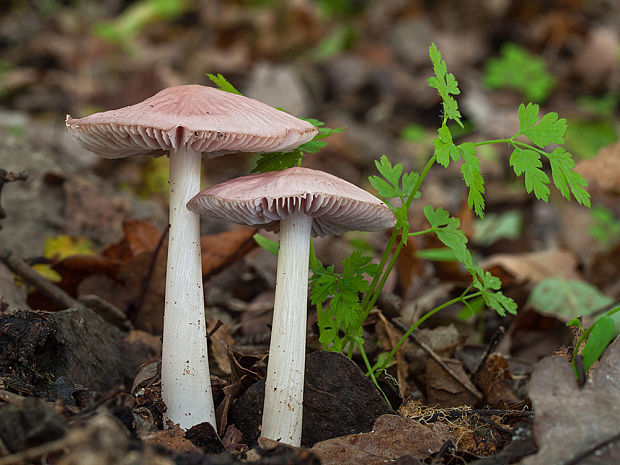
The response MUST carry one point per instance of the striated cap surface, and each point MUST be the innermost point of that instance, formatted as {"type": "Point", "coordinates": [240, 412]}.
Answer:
{"type": "Point", "coordinates": [264, 199]}
{"type": "Point", "coordinates": [194, 117]}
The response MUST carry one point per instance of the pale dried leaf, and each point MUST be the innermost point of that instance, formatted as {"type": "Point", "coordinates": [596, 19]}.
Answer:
{"type": "Point", "coordinates": [533, 267]}
{"type": "Point", "coordinates": [603, 171]}
{"type": "Point", "coordinates": [570, 421]}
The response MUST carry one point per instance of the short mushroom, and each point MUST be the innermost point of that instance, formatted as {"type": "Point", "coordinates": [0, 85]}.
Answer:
{"type": "Point", "coordinates": [187, 121]}
{"type": "Point", "coordinates": [298, 202]}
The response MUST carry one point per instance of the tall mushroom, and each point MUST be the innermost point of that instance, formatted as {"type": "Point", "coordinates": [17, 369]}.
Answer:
{"type": "Point", "coordinates": [298, 202]}
{"type": "Point", "coordinates": [187, 121]}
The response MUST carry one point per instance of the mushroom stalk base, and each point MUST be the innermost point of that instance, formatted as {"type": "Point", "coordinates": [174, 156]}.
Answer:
{"type": "Point", "coordinates": [284, 387]}
{"type": "Point", "coordinates": [185, 382]}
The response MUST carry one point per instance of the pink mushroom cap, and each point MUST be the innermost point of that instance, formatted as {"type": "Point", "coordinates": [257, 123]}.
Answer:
{"type": "Point", "coordinates": [198, 118]}
{"type": "Point", "coordinates": [264, 199]}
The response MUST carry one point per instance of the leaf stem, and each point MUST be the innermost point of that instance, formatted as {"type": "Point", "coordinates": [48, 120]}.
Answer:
{"type": "Point", "coordinates": [377, 276]}
{"type": "Point", "coordinates": [416, 187]}
{"type": "Point", "coordinates": [378, 367]}
{"type": "Point", "coordinates": [360, 344]}
{"type": "Point", "coordinates": [495, 141]}
{"type": "Point", "coordinates": [420, 233]}
{"type": "Point", "coordinates": [377, 290]}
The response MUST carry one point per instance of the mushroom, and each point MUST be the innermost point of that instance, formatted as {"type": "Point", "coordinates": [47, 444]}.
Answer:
{"type": "Point", "coordinates": [187, 121]}
{"type": "Point", "coordinates": [298, 202]}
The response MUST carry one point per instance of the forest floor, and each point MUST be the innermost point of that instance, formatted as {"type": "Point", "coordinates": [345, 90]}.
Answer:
{"type": "Point", "coordinates": [83, 240]}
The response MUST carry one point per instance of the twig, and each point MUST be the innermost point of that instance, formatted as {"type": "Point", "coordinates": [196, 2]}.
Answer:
{"type": "Point", "coordinates": [493, 424]}
{"type": "Point", "coordinates": [495, 340]}
{"type": "Point", "coordinates": [10, 397]}
{"type": "Point", "coordinates": [592, 450]}
{"type": "Point", "coordinates": [35, 452]}
{"type": "Point", "coordinates": [95, 404]}
{"type": "Point", "coordinates": [581, 371]}
{"type": "Point", "coordinates": [463, 382]}
{"type": "Point", "coordinates": [45, 287]}
{"type": "Point", "coordinates": [218, 325]}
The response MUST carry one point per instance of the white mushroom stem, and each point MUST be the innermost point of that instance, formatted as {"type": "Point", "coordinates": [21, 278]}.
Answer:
{"type": "Point", "coordinates": [185, 382]}
{"type": "Point", "coordinates": [284, 387]}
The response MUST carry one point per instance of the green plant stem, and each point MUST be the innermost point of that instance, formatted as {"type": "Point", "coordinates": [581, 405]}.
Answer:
{"type": "Point", "coordinates": [462, 298]}
{"type": "Point", "coordinates": [420, 233]}
{"type": "Point", "coordinates": [495, 141]}
{"type": "Point", "coordinates": [514, 143]}
{"type": "Point", "coordinates": [313, 260]}
{"type": "Point", "coordinates": [380, 277]}
{"type": "Point", "coordinates": [384, 278]}
{"type": "Point", "coordinates": [429, 164]}
{"type": "Point", "coordinates": [377, 276]}
{"type": "Point", "coordinates": [360, 345]}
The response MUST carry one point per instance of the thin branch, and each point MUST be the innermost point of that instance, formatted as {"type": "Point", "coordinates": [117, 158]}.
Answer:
{"type": "Point", "coordinates": [45, 287]}
{"type": "Point", "coordinates": [593, 450]}
{"type": "Point", "coordinates": [493, 343]}
{"type": "Point", "coordinates": [458, 378]}
{"type": "Point", "coordinates": [463, 382]}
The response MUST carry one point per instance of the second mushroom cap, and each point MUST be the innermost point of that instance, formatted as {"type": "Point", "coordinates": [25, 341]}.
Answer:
{"type": "Point", "coordinates": [264, 199]}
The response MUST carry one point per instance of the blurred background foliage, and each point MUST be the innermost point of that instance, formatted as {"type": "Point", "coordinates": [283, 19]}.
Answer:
{"type": "Point", "coordinates": [352, 63]}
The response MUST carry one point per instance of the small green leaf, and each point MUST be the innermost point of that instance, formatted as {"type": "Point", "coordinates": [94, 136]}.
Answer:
{"type": "Point", "coordinates": [409, 181]}
{"type": "Point", "coordinates": [508, 225]}
{"type": "Point", "coordinates": [549, 130]}
{"type": "Point", "coordinates": [222, 83]}
{"type": "Point", "coordinates": [446, 84]}
{"type": "Point", "coordinates": [527, 162]}
{"type": "Point", "coordinates": [528, 115]}
{"type": "Point", "coordinates": [500, 303]}
{"type": "Point", "coordinates": [452, 85]}
{"type": "Point", "coordinates": [445, 150]}
{"type": "Point", "coordinates": [602, 333]}
{"type": "Point", "coordinates": [312, 146]}
{"type": "Point", "coordinates": [413, 133]}
{"type": "Point", "coordinates": [471, 308]}
{"type": "Point", "coordinates": [451, 110]}
{"type": "Point", "coordinates": [389, 172]}
{"type": "Point", "coordinates": [567, 298]}
{"type": "Point", "coordinates": [473, 178]}
{"type": "Point", "coordinates": [383, 188]}
{"type": "Point", "coordinates": [344, 309]}
{"type": "Point", "coordinates": [266, 243]}
{"type": "Point", "coordinates": [447, 230]}
{"type": "Point", "coordinates": [390, 186]}
{"type": "Point", "coordinates": [605, 227]}
{"type": "Point", "coordinates": [566, 179]}
{"type": "Point", "coordinates": [276, 161]}
{"type": "Point", "coordinates": [489, 286]}
{"type": "Point", "coordinates": [520, 70]}
{"type": "Point", "coordinates": [585, 137]}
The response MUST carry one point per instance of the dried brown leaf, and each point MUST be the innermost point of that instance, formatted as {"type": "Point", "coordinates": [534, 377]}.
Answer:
{"type": "Point", "coordinates": [221, 250]}
{"type": "Point", "coordinates": [532, 267]}
{"type": "Point", "coordinates": [443, 390]}
{"type": "Point", "coordinates": [393, 436]}
{"type": "Point", "coordinates": [570, 422]}
{"type": "Point", "coordinates": [603, 171]}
